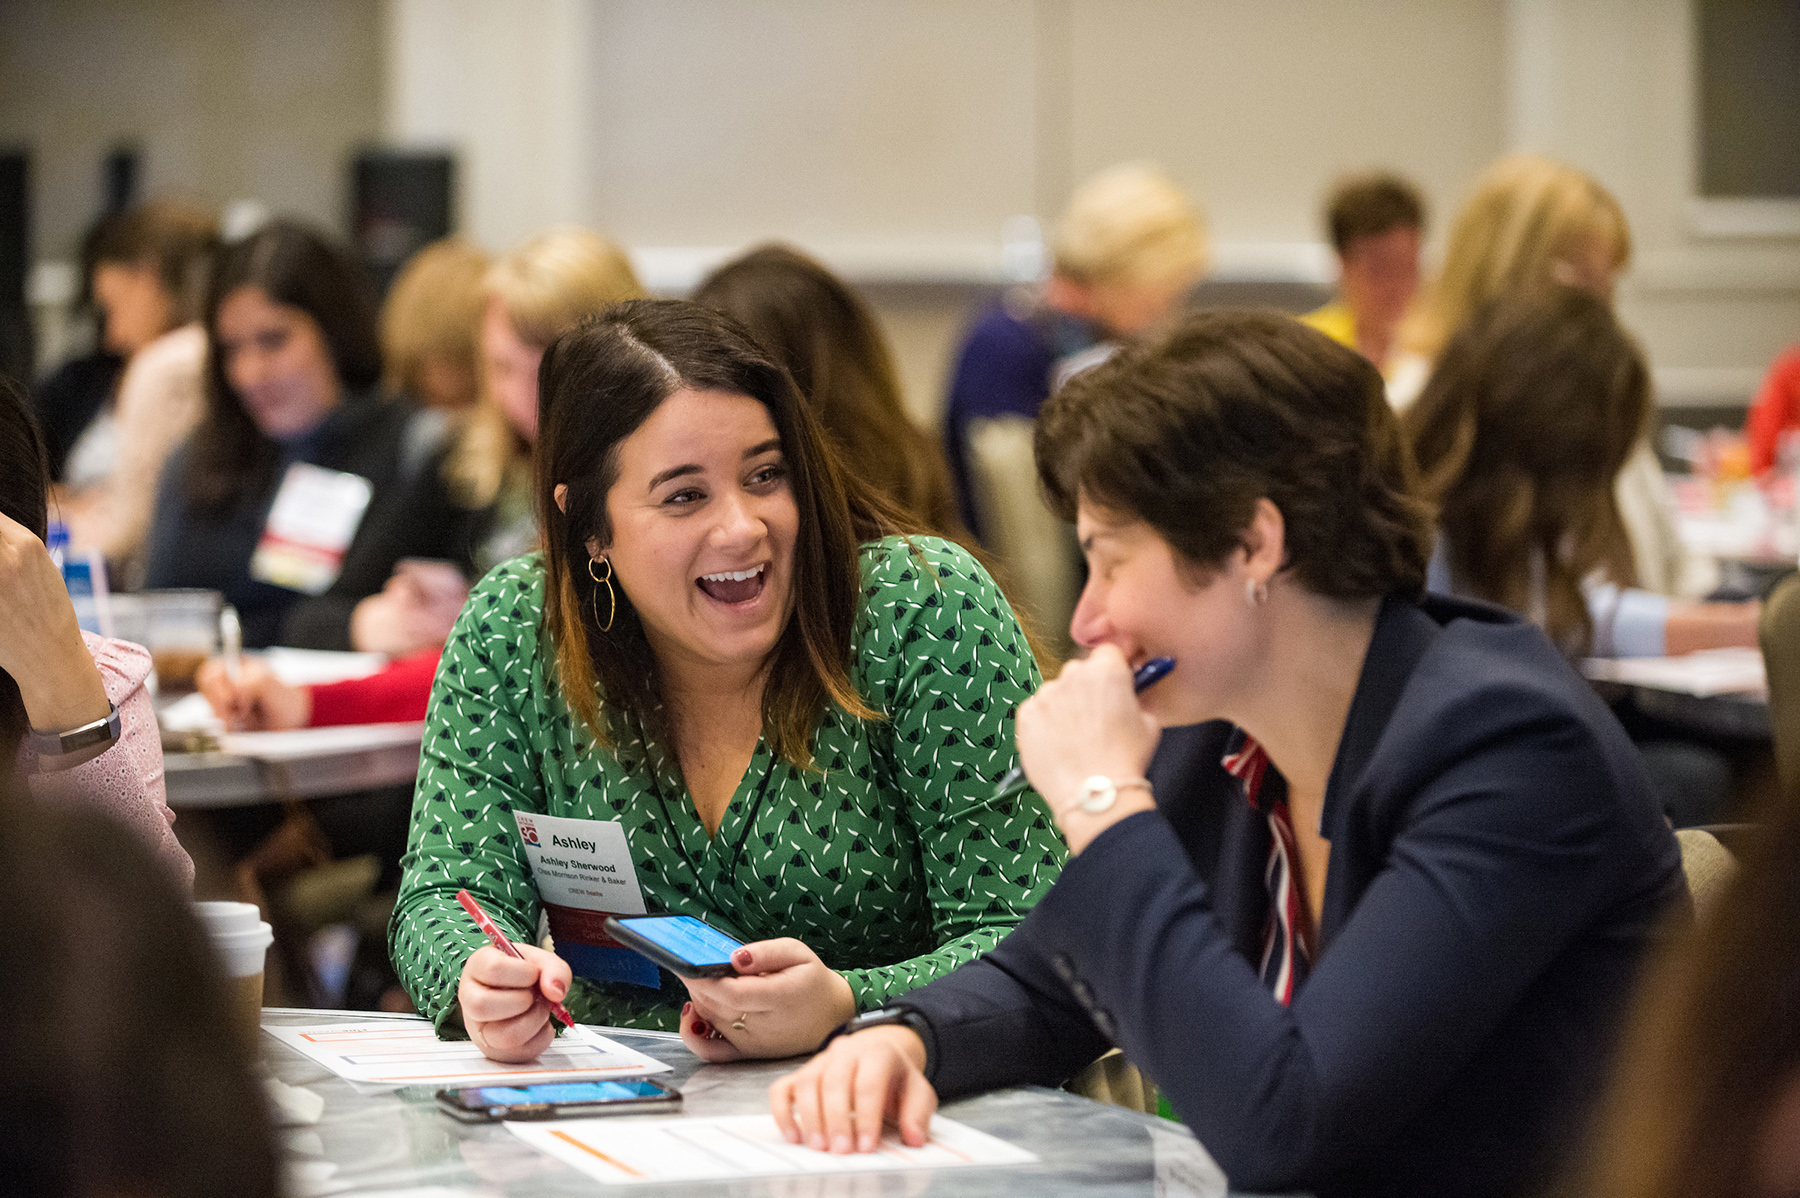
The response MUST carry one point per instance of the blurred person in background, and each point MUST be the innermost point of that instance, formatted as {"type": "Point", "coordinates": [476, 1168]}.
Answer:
{"type": "Point", "coordinates": [1530, 225]}
{"type": "Point", "coordinates": [149, 280]}
{"type": "Point", "coordinates": [431, 326]}
{"type": "Point", "coordinates": [122, 1072]}
{"type": "Point", "coordinates": [831, 345]}
{"type": "Point", "coordinates": [302, 487]}
{"type": "Point", "coordinates": [1376, 223]}
{"type": "Point", "coordinates": [1533, 410]}
{"type": "Point", "coordinates": [1705, 1102]}
{"type": "Point", "coordinates": [530, 297]}
{"type": "Point", "coordinates": [75, 717]}
{"type": "Point", "coordinates": [1127, 249]}
{"type": "Point", "coordinates": [1774, 416]}
{"type": "Point", "coordinates": [69, 397]}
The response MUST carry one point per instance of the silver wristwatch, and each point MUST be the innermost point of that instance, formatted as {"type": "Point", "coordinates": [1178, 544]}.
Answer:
{"type": "Point", "coordinates": [1099, 792]}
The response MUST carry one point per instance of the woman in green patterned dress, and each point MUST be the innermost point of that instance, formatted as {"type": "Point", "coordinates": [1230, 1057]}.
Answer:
{"type": "Point", "coordinates": [794, 714]}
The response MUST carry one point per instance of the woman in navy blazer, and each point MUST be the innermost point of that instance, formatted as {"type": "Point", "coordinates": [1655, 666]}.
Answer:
{"type": "Point", "coordinates": [1370, 916]}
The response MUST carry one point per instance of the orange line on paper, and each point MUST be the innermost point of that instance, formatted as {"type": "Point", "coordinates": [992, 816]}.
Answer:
{"type": "Point", "coordinates": [398, 1078]}
{"type": "Point", "coordinates": [592, 1151]}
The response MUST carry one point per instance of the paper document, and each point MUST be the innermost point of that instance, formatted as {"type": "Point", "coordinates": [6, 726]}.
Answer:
{"type": "Point", "coordinates": [394, 1053]}
{"type": "Point", "coordinates": [1705, 673]}
{"type": "Point", "coordinates": [320, 742]}
{"type": "Point", "coordinates": [640, 1151]}
{"type": "Point", "coordinates": [311, 667]}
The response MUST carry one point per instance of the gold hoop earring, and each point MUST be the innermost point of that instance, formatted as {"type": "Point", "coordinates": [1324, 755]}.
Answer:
{"type": "Point", "coordinates": [612, 600]}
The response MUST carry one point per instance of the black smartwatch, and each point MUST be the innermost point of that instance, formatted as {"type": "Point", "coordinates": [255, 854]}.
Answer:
{"type": "Point", "coordinates": [65, 750]}
{"type": "Point", "coordinates": [883, 1016]}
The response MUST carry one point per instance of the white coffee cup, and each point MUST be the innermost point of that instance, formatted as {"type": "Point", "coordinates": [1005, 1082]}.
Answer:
{"type": "Point", "coordinates": [241, 940]}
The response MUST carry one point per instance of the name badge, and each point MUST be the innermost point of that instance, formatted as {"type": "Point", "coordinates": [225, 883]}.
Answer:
{"type": "Point", "coordinates": [311, 523]}
{"type": "Point", "coordinates": [584, 873]}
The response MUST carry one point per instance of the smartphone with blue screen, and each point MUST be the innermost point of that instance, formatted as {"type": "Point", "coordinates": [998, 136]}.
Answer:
{"type": "Point", "coordinates": [681, 944]}
{"type": "Point", "coordinates": [559, 1100]}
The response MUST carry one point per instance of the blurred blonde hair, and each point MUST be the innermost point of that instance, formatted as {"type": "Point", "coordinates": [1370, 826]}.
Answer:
{"type": "Point", "coordinates": [546, 286]}
{"type": "Point", "coordinates": [1514, 233]}
{"type": "Point", "coordinates": [1130, 224]}
{"type": "Point", "coordinates": [432, 310]}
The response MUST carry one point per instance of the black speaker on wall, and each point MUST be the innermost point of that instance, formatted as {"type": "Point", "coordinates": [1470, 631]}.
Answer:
{"type": "Point", "coordinates": [15, 262]}
{"type": "Point", "coordinates": [119, 176]}
{"type": "Point", "coordinates": [399, 201]}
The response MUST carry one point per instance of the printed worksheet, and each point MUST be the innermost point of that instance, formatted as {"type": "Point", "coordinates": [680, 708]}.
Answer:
{"type": "Point", "coordinates": [393, 1052]}
{"type": "Point", "coordinates": [639, 1151]}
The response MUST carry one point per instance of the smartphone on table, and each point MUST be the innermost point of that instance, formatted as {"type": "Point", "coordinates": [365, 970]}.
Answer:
{"type": "Point", "coordinates": [681, 944]}
{"type": "Point", "coordinates": [559, 1100]}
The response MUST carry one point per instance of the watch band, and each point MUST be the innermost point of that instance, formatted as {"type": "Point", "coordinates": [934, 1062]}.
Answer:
{"type": "Point", "coordinates": [1099, 792]}
{"type": "Point", "coordinates": [882, 1017]}
{"type": "Point", "coordinates": [89, 740]}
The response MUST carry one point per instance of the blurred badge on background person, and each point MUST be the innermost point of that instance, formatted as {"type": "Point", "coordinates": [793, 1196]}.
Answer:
{"type": "Point", "coordinates": [583, 872]}
{"type": "Point", "coordinates": [311, 523]}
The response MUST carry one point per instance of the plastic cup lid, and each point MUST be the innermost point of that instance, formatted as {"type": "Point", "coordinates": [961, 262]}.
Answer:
{"type": "Point", "coordinates": [228, 917]}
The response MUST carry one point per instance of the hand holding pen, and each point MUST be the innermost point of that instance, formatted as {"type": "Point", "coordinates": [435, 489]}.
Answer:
{"type": "Point", "coordinates": [1142, 678]}
{"type": "Point", "coordinates": [509, 993]}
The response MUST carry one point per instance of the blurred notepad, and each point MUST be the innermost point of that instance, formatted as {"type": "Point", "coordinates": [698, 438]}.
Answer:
{"type": "Point", "coordinates": [1706, 673]}
{"type": "Point", "coordinates": [646, 1151]}
{"type": "Point", "coordinates": [320, 742]}
{"type": "Point", "coordinates": [312, 667]}
{"type": "Point", "coordinates": [408, 1053]}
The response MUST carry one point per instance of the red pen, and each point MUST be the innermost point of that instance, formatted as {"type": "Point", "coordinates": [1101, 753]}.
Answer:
{"type": "Point", "coordinates": [499, 941]}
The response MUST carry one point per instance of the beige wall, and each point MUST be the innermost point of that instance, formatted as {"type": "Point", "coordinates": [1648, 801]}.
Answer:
{"type": "Point", "coordinates": [1257, 107]}
{"type": "Point", "coordinates": [893, 137]}
{"type": "Point", "coordinates": [228, 99]}
{"type": "Point", "coordinates": [1608, 85]}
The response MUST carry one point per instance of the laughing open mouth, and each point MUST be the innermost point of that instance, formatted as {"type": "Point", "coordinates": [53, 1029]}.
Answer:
{"type": "Point", "coordinates": [735, 586]}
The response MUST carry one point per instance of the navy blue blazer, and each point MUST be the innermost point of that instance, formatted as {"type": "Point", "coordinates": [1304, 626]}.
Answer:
{"type": "Point", "coordinates": [1497, 868]}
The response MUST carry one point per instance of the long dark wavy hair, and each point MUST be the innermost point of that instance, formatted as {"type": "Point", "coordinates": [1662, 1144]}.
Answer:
{"type": "Point", "coordinates": [24, 493]}
{"type": "Point", "coordinates": [1528, 418]}
{"type": "Point", "coordinates": [596, 386]}
{"type": "Point", "coordinates": [293, 265]}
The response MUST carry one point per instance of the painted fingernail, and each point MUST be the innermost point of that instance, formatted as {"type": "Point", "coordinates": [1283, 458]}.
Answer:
{"type": "Point", "coordinates": [840, 1143]}
{"type": "Point", "coordinates": [702, 1028]}
{"type": "Point", "coordinates": [685, 1008]}
{"type": "Point", "coordinates": [741, 958]}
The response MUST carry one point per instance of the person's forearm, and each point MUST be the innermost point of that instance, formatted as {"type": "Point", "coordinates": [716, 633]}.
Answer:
{"type": "Point", "coordinates": [1695, 626]}
{"type": "Point", "coordinates": [63, 689]}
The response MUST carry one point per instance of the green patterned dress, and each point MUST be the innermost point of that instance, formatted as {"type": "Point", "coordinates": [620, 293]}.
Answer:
{"type": "Point", "coordinates": [891, 859]}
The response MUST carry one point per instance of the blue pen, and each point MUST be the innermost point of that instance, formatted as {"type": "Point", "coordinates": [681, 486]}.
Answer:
{"type": "Point", "coordinates": [1142, 678]}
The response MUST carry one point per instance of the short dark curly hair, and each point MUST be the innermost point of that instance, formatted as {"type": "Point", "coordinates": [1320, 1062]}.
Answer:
{"type": "Point", "coordinates": [1188, 432]}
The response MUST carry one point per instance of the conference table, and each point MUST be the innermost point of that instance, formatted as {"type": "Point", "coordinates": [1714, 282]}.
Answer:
{"type": "Point", "coordinates": [370, 1141]}
{"type": "Point", "coordinates": [310, 763]}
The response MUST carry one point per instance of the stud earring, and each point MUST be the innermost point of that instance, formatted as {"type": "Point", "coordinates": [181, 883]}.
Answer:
{"type": "Point", "coordinates": [612, 600]}
{"type": "Point", "coordinates": [1255, 593]}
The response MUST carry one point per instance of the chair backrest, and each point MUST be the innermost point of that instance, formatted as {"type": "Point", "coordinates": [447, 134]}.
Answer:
{"type": "Point", "coordinates": [1708, 865]}
{"type": "Point", "coordinates": [1036, 551]}
{"type": "Point", "coordinates": [1779, 633]}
